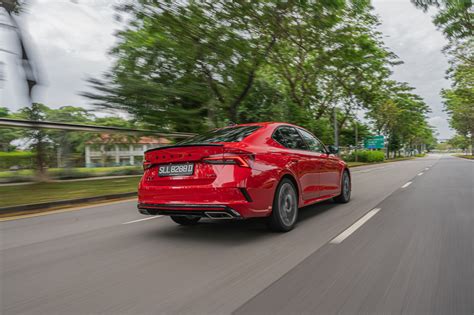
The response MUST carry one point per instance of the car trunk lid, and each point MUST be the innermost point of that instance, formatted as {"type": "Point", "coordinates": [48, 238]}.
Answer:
{"type": "Point", "coordinates": [181, 153]}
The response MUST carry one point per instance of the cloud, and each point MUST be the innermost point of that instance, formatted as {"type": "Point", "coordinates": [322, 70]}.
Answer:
{"type": "Point", "coordinates": [411, 34]}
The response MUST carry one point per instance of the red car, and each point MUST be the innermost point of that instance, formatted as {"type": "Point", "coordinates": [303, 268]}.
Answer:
{"type": "Point", "coordinates": [242, 171]}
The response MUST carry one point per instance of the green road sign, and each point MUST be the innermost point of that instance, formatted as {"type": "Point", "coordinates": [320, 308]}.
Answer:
{"type": "Point", "coordinates": [375, 142]}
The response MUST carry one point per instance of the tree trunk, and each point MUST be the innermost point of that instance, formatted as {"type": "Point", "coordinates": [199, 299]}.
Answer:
{"type": "Point", "coordinates": [40, 157]}
{"type": "Point", "coordinates": [233, 110]}
{"type": "Point", "coordinates": [472, 142]}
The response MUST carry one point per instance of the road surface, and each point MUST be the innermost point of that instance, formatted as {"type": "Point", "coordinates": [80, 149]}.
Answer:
{"type": "Point", "coordinates": [404, 244]}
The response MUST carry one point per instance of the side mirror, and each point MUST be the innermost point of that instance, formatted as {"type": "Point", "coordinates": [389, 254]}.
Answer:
{"type": "Point", "coordinates": [333, 149]}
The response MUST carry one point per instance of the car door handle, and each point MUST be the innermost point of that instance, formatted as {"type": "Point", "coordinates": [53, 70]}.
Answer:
{"type": "Point", "coordinates": [294, 160]}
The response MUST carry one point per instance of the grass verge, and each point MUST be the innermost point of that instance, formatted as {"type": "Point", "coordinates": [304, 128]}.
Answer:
{"type": "Point", "coordinates": [355, 164]}
{"type": "Point", "coordinates": [47, 192]}
{"type": "Point", "coordinates": [469, 157]}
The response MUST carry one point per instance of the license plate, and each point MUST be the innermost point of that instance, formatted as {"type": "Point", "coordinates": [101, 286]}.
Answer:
{"type": "Point", "coordinates": [176, 169]}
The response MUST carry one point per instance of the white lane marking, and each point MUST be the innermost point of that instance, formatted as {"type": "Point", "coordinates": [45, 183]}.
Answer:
{"type": "Point", "coordinates": [406, 185]}
{"type": "Point", "coordinates": [427, 168]}
{"type": "Point", "coordinates": [345, 234]}
{"type": "Point", "coordinates": [421, 173]}
{"type": "Point", "coordinates": [139, 220]}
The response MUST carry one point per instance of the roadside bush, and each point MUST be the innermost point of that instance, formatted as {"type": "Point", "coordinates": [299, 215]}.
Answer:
{"type": "Point", "coordinates": [21, 159]}
{"type": "Point", "coordinates": [366, 156]}
{"type": "Point", "coordinates": [24, 175]}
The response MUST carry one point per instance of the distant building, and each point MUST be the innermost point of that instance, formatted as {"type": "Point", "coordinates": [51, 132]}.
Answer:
{"type": "Point", "coordinates": [119, 150]}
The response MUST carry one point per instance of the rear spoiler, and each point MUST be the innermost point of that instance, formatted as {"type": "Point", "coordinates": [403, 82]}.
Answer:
{"type": "Point", "coordinates": [186, 145]}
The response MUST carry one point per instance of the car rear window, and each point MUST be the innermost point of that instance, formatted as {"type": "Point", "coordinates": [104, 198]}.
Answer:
{"type": "Point", "coordinates": [228, 134]}
{"type": "Point", "coordinates": [290, 138]}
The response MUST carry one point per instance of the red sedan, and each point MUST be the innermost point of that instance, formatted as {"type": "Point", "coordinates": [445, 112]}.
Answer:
{"type": "Point", "coordinates": [242, 171]}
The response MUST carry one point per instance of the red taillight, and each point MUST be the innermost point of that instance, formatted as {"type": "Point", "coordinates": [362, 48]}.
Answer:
{"type": "Point", "coordinates": [227, 159]}
{"type": "Point", "coordinates": [146, 165]}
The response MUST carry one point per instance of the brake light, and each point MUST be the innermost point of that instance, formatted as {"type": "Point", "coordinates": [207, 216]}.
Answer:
{"type": "Point", "coordinates": [227, 159]}
{"type": "Point", "coordinates": [146, 165]}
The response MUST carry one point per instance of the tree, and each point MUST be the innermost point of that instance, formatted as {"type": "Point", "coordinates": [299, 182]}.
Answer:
{"type": "Point", "coordinates": [461, 113]}
{"type": "Point", "coordinates": [192, 65]}
{"type": "Point", "coordinates": [459, 99]}
{"type": "Point", "coordinates": [332, 58]}
{"type": "Point", "coordinates": [455, 18]}
{"type": "Point", "coordinates": [37, 138]}
{"type": "Point", "coordinates": [348, 133]}
{"type": "Point", "coordinates": [12, 6]}
{"type": "Point", "coordinates": [401, 116]}
{"type": "Point", "coordinates": [68, 145]}
{"type": "Point", "coordinates": [7, 135]}
{"type": "Point", "coordinates": [180, 63]}
{"type": "Point", "coordinates": [460, 142]}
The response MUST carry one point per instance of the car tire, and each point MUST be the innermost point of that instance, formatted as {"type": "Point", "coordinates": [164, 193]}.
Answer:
{"type": "Point", "coordinates": [184, 220]}
{"type": "Point", "coordinates": [345, 195]}
{"type": "Point", "coordinates": [285, 207]}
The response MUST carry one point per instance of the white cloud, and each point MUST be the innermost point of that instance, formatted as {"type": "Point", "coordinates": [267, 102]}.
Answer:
{"type": "Point", "coordinates": [411, 34]}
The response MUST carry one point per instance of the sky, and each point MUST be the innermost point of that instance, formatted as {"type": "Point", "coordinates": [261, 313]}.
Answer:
{"type": "Point", "coordinates": [70, 40]}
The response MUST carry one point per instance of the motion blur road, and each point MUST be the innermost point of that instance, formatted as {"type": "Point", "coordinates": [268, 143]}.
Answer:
{"type": "Point", "coordinates": [413, 254]}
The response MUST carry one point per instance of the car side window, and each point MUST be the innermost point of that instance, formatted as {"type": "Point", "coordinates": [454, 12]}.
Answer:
{"type": "Point", "coordinates": [314, 144]}
{"type": "Point", "coordinates": [290, 138]}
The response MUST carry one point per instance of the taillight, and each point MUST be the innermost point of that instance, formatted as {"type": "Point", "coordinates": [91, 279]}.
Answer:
{"type": "Point", "coordinates": [231, 156]}
{"type": "Point", "coordinates": [146, 165]}
{"type": "Point", "coordinates": [226, 159]}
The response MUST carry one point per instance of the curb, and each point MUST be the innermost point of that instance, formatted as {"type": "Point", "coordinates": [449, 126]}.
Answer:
{"type": "Point", "coordinates": [52, 204]}
{"type": "Point", "coordinates": [388, 161]}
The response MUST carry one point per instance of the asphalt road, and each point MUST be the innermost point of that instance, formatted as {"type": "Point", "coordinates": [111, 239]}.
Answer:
{"type": "Point", "coordinates": [413, 254]}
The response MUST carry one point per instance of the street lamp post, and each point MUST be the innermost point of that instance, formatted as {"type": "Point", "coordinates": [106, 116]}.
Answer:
{"type": "Point", "coordinates": [356, 141]}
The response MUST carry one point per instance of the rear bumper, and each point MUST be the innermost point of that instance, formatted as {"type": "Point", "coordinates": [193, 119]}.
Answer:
{"type": "Point", "coordinates": [209, 211]}
{"type": "Point", "coordinates": [189, 200]}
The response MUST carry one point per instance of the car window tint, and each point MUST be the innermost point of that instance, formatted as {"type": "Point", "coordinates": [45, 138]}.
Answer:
{"type": "Point", "coordinates": [290, 138]}
{"type": "Point", "coordinates": [228, 134]}
{"type": "Point", "coordinates": [313, 144]}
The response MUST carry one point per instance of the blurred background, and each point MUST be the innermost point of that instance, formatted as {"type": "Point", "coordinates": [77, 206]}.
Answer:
{"type": "Point", "coordinates": [88, 86]}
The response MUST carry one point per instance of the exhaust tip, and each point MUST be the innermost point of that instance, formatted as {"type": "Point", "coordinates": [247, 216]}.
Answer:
{"type": "Point", "coordinates": [218, 215]}
{"type": "Point", "coordinates": [144, 211]}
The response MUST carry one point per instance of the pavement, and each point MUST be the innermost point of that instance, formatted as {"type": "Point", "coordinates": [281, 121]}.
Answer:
{"type": "Point", "coordinates": [404, 244]}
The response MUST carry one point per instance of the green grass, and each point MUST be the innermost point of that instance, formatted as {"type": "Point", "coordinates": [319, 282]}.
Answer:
{"type": "Point", "coordinates": [469, 157]}
{"type": "Point", "coordinates": [355, 164]}
{"type": "Point", "coordinates": [46, 192]}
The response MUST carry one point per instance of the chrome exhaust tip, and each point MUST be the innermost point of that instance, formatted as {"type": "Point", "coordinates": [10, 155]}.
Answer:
{"type": "Point", "coordinates": [218, 215]}
{"type": "Point", "coordinates": [144, 211]}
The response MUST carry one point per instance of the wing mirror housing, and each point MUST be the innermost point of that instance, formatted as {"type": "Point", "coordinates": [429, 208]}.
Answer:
{"type": "Point", "coordinates": [332, 149]}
